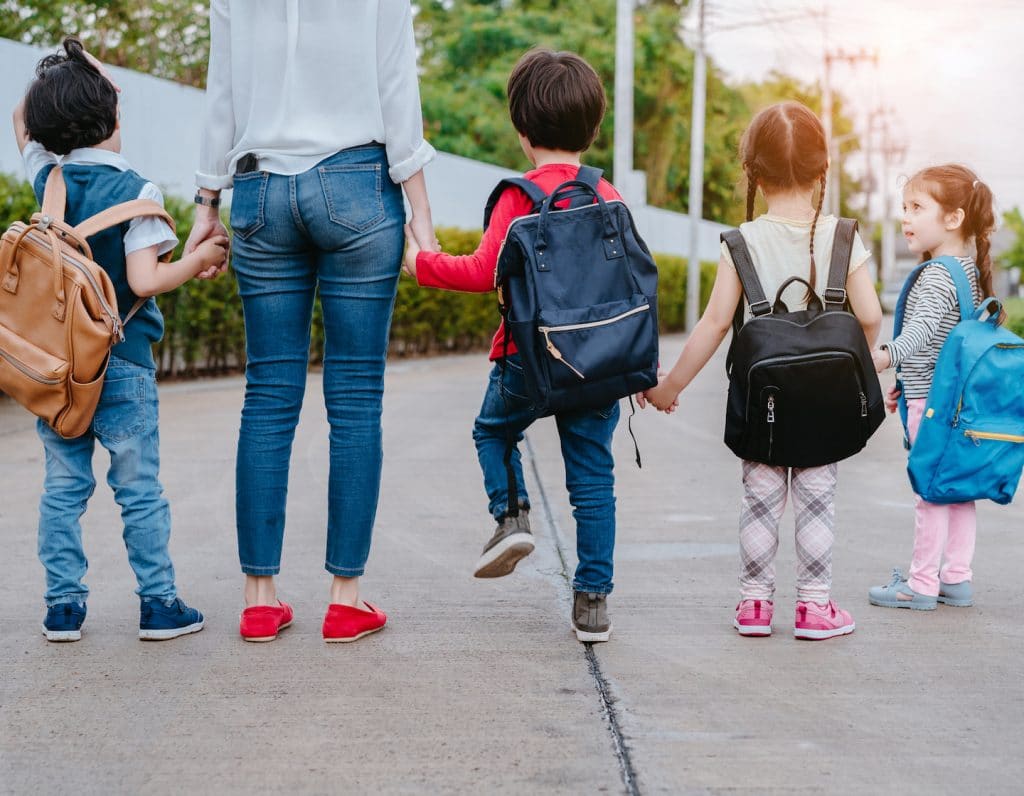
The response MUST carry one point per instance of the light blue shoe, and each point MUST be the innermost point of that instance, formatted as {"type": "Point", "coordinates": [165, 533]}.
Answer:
{"type": "Point", "coordinates": [958, 595]}
{"type": "Point", "coordinates": [887, 596]}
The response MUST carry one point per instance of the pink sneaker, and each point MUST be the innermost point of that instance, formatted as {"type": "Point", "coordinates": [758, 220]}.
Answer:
{"type": "Point", "coordinates": [754, 617]}
{"type": "Point", "coordinates": [816, 622]}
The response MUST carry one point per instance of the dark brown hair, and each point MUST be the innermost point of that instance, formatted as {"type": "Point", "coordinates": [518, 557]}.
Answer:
{"type": "Point", "coordinates": [69, 104]}
{"type": "Point", "coordinates": [956, 187]}
{"type": "Point", "coordinates": [784, 148]}
{"type": "Point", "coordinates": [556, 100]}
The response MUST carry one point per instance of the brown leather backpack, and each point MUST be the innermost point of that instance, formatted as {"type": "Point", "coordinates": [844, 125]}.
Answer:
{"type": "Point", "coordinates": [58, 310]}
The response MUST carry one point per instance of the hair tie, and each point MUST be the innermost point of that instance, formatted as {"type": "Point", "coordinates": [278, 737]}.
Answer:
{"type": "Point", "coordinates": [974, 185]}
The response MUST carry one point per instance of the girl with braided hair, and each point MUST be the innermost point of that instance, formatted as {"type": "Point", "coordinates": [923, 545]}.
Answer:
{"type": "Point", "coordinates": [945, 210]}
{"type": "Point", "coordinates": [785, 156]}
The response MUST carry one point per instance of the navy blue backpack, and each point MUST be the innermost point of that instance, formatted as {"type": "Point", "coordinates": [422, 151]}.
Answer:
{"type": "Point", "coordinates": [577, 288]}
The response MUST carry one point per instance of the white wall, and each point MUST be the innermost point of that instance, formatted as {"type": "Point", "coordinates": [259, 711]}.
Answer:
{"type": "Point", "coordinates": [161, 123]}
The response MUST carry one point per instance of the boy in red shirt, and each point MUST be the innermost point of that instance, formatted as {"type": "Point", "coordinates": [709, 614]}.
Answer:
{"type": "Point", "coordinates": [556, 102]}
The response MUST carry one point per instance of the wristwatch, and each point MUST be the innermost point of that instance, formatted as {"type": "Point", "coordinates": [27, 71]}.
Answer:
{"type": "Point", "coordinates": [207, 201]}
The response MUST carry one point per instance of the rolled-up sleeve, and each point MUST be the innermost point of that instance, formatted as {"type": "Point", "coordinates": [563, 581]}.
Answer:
{"type": "Point", "coordinates": [398, 84]}
{"type": "Point", "coordinates": [219, 128]}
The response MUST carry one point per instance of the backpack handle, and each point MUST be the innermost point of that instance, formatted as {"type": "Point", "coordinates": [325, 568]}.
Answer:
{"type": "Point", "coordinates": [989, 311]}
{"type": "Point", "coordinates": [814, 302]}
{"type": "Point", "coordinates": [611, 234]}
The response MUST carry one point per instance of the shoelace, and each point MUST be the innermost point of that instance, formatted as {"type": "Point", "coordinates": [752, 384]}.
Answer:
{"type": "Point", "coordinates": [897, 577]}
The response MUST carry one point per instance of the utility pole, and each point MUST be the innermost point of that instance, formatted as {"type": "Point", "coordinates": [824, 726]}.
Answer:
{"type": "Point", "coordinates": [832, 188]}
{"type": "Point", "coordinates": [892, 154]}
{"type": "Point", "coordinates": [696, 177]}
{"type": "Point", "coordinates": [623, 143]}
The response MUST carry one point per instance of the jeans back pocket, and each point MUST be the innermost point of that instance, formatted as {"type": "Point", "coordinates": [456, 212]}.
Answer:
{"type": "Point", "coordinates": [353, 195]}
{"type": "Point", "coordinates": [247, 200]}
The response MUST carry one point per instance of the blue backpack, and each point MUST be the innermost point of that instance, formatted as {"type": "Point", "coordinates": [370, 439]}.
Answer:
{"type": "Point", "coordinates": [970, 445]}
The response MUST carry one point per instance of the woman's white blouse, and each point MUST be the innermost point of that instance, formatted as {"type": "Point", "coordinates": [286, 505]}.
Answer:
{"type": "Point", "coordinates": [294, 81]}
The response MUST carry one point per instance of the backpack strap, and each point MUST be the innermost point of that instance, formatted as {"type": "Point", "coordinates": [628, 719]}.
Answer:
{"type": "Point", "coordinates": [759, 304]}
{"type": "Point", "coordinates": [842, 249]}
{"type": "Point", "coordinates": [592, 177]}
{"type": "Point", "coordinates": [531, 189]}
{"type": "Point", "coordinates": [55, 195]}
{"type": "Point", "coordinates": [965, 300]}
{"type": "Point", "coordinates": [126, 211]}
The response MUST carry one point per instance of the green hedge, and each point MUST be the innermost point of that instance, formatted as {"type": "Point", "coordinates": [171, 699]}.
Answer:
{"type": "Point", "coordinates": [204, 331]}
{"type": "Point", "coordinates": [1015, 315]}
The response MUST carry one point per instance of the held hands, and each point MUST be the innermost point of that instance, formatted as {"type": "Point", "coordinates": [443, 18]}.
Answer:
{"type": "Point", "coordinates": [419, 236]}
{"type": "Point", "coordinates": [892, 397]}
{"type": "Point", "coordinates": [207, 225]}
{"type": "Point", "coordinates": [664, 397]}
{"type": "Point", "coordinates": [212, 254]}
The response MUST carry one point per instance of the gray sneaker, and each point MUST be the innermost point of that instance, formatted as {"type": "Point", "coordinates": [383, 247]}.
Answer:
{"type": "Point", "coordinates": [958, 595]}
{"type": "Point", "coordinates": [888, 596]}
{"type": "Point", "coordinates": [590, 616]}
{"type": "Point", "coordinates": [512, 542]}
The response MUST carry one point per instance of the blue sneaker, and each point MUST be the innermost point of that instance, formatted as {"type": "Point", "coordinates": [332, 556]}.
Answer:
{"type": "Point", "coordinates": [887, 596]}
{"type": "Point", "coordinates": [958, 595]}
{"type": "Point", "coordinates": [64, 622]}
{"type": "Point", "coordinates": [160, 621]}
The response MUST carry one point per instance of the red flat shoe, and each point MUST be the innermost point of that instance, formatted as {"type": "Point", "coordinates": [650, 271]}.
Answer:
{"type": "Point", "coordinates": [345, 623]}
{"type": "Point", "coordinates": [261, 622]}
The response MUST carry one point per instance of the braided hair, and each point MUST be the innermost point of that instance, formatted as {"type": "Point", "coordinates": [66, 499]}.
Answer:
{"type": "Point", "coordinates": [785, 148]}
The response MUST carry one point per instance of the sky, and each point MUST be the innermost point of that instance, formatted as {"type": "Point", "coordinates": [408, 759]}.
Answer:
{"type": "Point", "coordinates": [952, 73]}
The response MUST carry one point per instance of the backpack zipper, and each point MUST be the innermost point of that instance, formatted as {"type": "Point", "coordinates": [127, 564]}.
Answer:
{"type": "Point", "coordinates": [967, 381]}
{"type": "Point", "coordinates": [28, 371]}
{"type": "Point", "coordinates": [573, 327]}
{"type": "Point", "coordinates": [771, 424]}
{"type": "Point", "coordinates": [114, 317]}
{"type": "Point", "coordinates": [863, 405]}
{"type": "Point", "coordinates": [978, 436]}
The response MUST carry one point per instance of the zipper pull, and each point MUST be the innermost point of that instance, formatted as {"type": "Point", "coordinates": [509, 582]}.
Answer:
{"type": "Point", "coordinates": [771, 408]}
{"type": "Point", "coordinates": [555, 353]}
{"type": "Point", "coordinates": [863, 405]}
{"type": "Point", "coordinates": [974, 438]}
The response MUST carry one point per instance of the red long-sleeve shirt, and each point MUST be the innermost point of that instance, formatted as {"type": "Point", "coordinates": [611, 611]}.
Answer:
{"type": "Point", "coordinates": [474, 273]}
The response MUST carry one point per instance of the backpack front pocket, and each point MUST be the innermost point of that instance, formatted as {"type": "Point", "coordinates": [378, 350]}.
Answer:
{"type": "Point", "coordinates": [589, 344]}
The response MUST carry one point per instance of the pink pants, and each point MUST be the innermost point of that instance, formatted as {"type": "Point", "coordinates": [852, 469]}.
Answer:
{"type": "Point", "coordinates": [948, 528]}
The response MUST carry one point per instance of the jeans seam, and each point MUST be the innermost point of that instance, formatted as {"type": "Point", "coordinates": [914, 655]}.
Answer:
{"type": "Point", "coordinates": [350, 572]}
{"type": "Point", "coordinates": [250, 569]}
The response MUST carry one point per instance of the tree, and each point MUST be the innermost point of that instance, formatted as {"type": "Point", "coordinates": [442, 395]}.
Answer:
{"type": "Point", "coordinates": [165, 38]}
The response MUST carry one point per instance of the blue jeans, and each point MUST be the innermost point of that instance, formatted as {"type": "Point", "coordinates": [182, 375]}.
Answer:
{"type": "Point", "coordinates": [126, 424]}
{"type": "Point", "coordinates": [586, 439]}
{"type": "Point", "coordinates": [336, 228]}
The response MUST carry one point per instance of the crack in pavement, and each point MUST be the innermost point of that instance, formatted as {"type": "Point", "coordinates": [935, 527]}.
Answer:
{"type": "Point", "coordinates": [611, 715]}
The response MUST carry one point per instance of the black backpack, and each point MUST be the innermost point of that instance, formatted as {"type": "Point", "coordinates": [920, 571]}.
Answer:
{"type": "Point", "coordinates": [803, 391]}
{"type": "Point", "coordinates": [577, 288]}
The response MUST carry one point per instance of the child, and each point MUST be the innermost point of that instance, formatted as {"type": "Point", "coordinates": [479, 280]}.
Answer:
{"type": "Point", "coordinates": [556, 102]}
{"type": "Point", "coordinates": [70, 115]}
{"type": "Point", "coordinates": [943, 207]}
{"type": "Point", "coordinates": [784, 153]}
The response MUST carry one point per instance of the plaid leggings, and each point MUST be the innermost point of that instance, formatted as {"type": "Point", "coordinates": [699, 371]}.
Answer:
{"type": "Point", "coordinates": [764, 499]}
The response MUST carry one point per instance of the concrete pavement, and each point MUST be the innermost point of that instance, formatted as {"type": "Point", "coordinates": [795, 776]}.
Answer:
{"type": "Point", "coordinates": [478, 686]}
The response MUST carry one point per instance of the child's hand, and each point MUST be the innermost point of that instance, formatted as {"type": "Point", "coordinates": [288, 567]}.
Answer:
{"type": "Point", "coordinates": [892, 397]}
{"type": "Point", "coordinates": [664, 397]}
{"type": "Point", "coordinates": [212, 254]}
{"type": "Point", "coordinates": [412, 248]}
{"type": "Point", "coordinates": [882, 359]}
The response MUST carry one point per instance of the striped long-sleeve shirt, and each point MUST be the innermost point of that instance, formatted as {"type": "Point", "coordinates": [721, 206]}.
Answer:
{"type": "Point", "coordinates": [931, 313]}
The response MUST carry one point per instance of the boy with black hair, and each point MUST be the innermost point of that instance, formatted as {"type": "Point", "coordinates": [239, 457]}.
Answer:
{"type": "Point", "coordinates": [69, 118]}
{"type": "Point", "coordinates": [556, 102]}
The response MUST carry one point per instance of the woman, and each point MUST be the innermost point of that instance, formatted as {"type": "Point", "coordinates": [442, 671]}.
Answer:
{"type": "Point", "coordinates": [314, 118]}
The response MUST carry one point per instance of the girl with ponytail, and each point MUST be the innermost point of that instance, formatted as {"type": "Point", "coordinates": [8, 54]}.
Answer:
{"type": "Point", "coordinates": [947, 211]}
{"type": "Point", "coordinates": [785, 156]}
